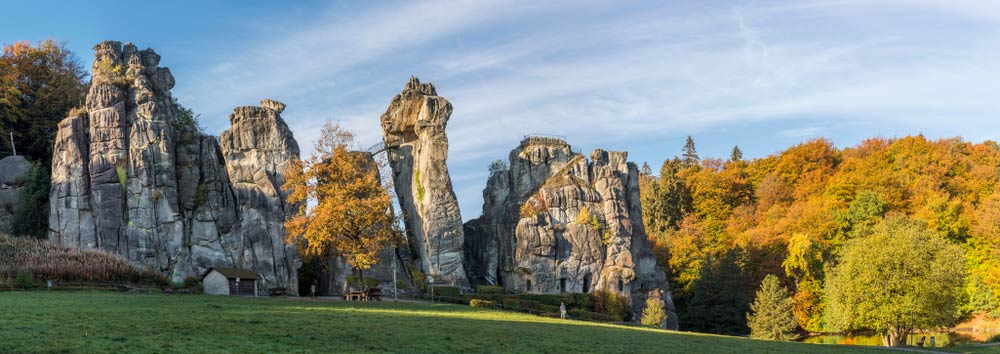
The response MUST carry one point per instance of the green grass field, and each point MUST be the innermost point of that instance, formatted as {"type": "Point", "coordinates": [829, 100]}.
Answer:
{"type": "Point", "coordinates": [68, 321]}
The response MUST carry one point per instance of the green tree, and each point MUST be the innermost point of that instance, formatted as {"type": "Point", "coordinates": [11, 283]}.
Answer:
{"type": "Point", "coordinates": [864, 212]}
{"type": "Point", "coordinates": [717, 302]}
{"type": "Point", "coordinates": [899, 278]}
{"type": "Point", "coordinates": [31, 217]}
{"type": "Point", "coordinates": [690, 156]}
{"type": "Point", "coordinates": [770, 314]}
{"type": "Point", "coordinates": [736, 155]}
{"type": "Point", "coordinates": [653, 315]}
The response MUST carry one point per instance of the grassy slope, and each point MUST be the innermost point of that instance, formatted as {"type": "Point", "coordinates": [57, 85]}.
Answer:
{"type": "Point", "coordinates": [116, 322]}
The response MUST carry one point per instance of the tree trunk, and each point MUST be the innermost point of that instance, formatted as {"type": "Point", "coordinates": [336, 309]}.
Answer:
{"type": "Point", "coordinates": [895, 337]}
{"type": "Point", "coordinates": [361, 279]}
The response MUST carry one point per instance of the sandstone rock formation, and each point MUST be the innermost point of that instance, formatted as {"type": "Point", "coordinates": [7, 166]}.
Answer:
{"type": "Point", "coordinates": [413, 129]}
{"type": "Point", "coordinates": [131, 178]}
{"type": "Point", "coordinates": [555, 222]}
{"type": "Point", "coordinates": [13, 174]}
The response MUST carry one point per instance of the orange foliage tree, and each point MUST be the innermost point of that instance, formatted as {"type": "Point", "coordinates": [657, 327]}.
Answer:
{"type": "Point", "coordinates": [344, 209]}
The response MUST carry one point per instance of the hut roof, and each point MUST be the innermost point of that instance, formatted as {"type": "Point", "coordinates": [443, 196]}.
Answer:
{"type": "Point", "coordinates": [233, 273]}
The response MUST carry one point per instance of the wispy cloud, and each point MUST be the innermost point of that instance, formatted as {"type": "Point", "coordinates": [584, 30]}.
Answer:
{"type": "Point", "coordinates": [612, 73]}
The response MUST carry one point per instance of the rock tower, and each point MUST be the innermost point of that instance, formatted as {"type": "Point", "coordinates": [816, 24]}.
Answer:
{"type": "Point", "coordinates": [131, 177]}
{"type": "Point", "coordinates": [413, 129]}
{"type": "Point", "coordinates": [555, 222]}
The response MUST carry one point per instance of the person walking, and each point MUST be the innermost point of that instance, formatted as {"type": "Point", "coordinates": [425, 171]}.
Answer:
{"type": "Point", "coordinates": [562, 310]}
{"type": "Point", "coordinates": [932, 342]}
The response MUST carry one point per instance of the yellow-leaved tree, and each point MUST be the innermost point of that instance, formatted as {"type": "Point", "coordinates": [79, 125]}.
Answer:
{"type": "Point", "coordinates": [344, 208]}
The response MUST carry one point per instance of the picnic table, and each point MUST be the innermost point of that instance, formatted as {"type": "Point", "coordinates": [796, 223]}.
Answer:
{"type": "Point", "coordinates": [370, 294]}
{"type": "Point", "coordinates": [355, 296]}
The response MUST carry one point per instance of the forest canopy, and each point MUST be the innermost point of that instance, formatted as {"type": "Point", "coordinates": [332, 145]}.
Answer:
{"type": "Point", "coordinates": [793, 213]}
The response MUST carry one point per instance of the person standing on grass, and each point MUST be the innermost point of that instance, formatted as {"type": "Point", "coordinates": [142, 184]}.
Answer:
{"type": "Point", "coordinates": [562, 310]}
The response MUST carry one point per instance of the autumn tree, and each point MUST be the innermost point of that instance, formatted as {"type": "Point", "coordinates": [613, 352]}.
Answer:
{"type": "Point", "coordinates": [653, 315]}
{"type": "Point", "coordinates": [900, 278]}
{"type": "Point", "coordinates": [770, 314]}
{"type": "Point", "coordinates": [39, 85]}
{"type": "Point", "coordinates": [352, 215]}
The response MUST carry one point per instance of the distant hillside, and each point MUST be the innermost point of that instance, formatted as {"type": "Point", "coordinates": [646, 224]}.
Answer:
{"type": "Point", "coordinates": [26, 262]}
{"type": "Point", "coordinates": [790, 213]}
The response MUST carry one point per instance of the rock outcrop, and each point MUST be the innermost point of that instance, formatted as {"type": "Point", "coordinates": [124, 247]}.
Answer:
{"type": "Point", "coordinates": [555, 222]}
{"type": "Point", "coordinates": [413, 129]}
{"type": "Point", "coordinates": [130, 176]}
{"type": "Point", "coordinates": [14, 172]}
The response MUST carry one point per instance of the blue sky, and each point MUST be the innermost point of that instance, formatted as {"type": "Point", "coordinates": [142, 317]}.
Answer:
{"type": "Point", "coordinates": [620, 75]}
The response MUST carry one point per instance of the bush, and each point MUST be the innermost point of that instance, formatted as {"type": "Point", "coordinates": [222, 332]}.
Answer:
{"type": "Point", "coordinates": [352, 280]}
{"type": "Point", "coordinates": [490, 290]}
{"type": "Point", "coordinates": [580, 300]}
{"type": "Point", "coordinates": [482, 304]}
{"type": "Point", "coordinates": [31, 217]}
{"type": "Point", "coordinates": [447, 291]}
{"type": "Point", "coordinates": [546, 299]}
{"type": "Point", "coordinates": [653, 315]}
{"type": "Point", "coordinates": [588, 316]}
{"type": "Point", "coordinates": [24, 280]}
{"type": "Point", "coordinates": [419, 278]}
{"type": "Point", "coordinates": [611, 304]}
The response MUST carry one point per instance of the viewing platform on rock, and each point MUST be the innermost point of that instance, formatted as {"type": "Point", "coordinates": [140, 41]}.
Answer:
{"type": "Point", "coordinates": [547, 139]}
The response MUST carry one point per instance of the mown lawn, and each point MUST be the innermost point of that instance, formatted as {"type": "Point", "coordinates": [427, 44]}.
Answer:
{"type": "Point", "coordinates": [65, 321]}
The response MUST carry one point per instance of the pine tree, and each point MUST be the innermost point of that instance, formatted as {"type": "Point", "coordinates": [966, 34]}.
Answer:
{"type": "Point", "coordinates": [690, 156]}
{"type": "Point", "coordinates": [737, 154]}
{"type": "Point", "coordinates": [771, 312]}
{"type": "Point", "coordinates": [653, 315]}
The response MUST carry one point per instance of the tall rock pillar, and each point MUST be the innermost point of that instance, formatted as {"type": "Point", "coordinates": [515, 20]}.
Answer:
{"type": "Point", "coordinates": [413, 128]}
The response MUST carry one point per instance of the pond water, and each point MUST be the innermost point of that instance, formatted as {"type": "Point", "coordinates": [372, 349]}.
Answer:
{"type": "Point", "coordinates": [940, 339]}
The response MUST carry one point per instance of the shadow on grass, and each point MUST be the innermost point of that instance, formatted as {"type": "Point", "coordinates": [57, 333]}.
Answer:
{"type": "Point", "coordinates": [113, 322]}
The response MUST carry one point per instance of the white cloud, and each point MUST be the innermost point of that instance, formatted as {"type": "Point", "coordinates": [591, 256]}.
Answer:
{"type": "Point", "coordinates": [605, 72]}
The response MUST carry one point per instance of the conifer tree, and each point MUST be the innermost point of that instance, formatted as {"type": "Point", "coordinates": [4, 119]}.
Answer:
{"type": "Point", "coordinates": [770, 314]}
{"type": "Point", "coordinates": [737, 154]}
{"type": "Point", "coordinates": [690, 156]}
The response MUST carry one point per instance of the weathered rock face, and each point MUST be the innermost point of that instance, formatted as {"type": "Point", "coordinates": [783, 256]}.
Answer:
{"type": "Point", "coordinates": [13, 174]}
{"type": "Point", "coordinates": [553, 222]}
{"type": "Point", "coordinates": [129, 178]}
{"type": "Point", "coordinates": [258, 149]}
{"type": "Point", "coordinates": [413, 128]}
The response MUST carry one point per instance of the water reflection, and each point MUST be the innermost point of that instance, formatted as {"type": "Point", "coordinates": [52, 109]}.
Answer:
{"type": "Point", "coordinates": [940, 339]}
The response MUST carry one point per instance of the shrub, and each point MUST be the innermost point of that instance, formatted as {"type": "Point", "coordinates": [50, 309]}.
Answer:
{"type": "Point", "coordinates": [352, 280]}
{"type": "Point", "coordinates": [420, 186]}
{"type": "Point", "coordinates": [419, 278]}
{"type": "Point", "coordinates": [31, 217]}
{"type": "Point", "coordinates": [611, 304]}
{"type": "Point", "coordinates": [580, 300]}
{"type": "Point", "coordinates": [587, 315]}
{"type": "Point", "coordinates": [482, 304]}
{"type": "Point", "coordinates": [24, 280]}
{"type": "Point", "coordinates": [448, 292]}
{"type": "Point", "coordinates": [653, 315]}
{"type": "Point", "coordinates": [490, 290]}
{"type": "Point", "coordinates": [545, 299]}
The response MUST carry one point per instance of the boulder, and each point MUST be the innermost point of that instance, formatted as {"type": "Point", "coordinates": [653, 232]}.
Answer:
{"type": "Point", "coordinates": [14, 170]}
